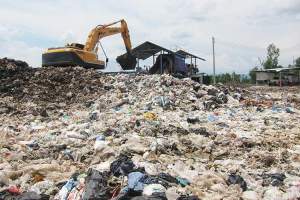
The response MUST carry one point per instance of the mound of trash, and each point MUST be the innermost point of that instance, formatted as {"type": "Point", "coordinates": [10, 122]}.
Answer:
{"type": "Point", "coordinates": [75, 85]}
{"type": "Point", "coordinates": [7, 64]}
{"type": "Point", "coordinates": [72, 134]}
{"type": "Point", "coordinates": [47, 84]}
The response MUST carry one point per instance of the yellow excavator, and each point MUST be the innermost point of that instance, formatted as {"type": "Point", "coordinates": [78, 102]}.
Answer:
{"type": "Point", "coordinates": [75, 54]}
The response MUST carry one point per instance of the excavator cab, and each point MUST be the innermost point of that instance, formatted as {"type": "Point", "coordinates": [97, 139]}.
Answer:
{"type": "Point", "coordinates": [75, 45]}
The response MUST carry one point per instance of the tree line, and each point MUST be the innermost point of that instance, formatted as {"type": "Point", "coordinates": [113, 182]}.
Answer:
{"type": "Point", "coordinates": [271, 62]}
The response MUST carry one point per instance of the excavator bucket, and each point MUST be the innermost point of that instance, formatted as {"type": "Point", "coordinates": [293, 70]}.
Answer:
{"type": "Point", "coordinates": [127, 61]}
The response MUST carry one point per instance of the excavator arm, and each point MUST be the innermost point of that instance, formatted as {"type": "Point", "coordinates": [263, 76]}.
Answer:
{"type": "Point", "coordinates": [102, 31]}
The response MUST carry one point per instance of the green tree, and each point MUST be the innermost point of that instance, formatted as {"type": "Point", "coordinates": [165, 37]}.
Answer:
{"type": "Point", "coordinates": [298, 62]}
{"type": "Point", "coordinates": [272, 57]}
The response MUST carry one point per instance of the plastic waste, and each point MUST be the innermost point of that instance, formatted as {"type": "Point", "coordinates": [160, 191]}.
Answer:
{"type": "Point", "coordinates": [154, 188]}
{"type": "Point", "coordinates": [145, 117]}
{"type": "Point", "coordinates": [43, 187]}
{"type": "Point", "coordinates": [134, 181]}
{"type": "Point", "coordinates": [168, 177]}
{"type": "Point", "coordinates": [94, 116]}
{"type": "Point", "coordinates": [272, 193]}
{"type": "Point", "coordinates": [77, 192]}
{"type": "Point", "coordinates": [123, 165]}
{"type": "Point", "coordinates": [171, 193]}
{"type": "Point", "coordinates": [164, 101]}
{"type": "Point", "coordinates": [201, 131]}
{"type": "Point", "coordinates": [152, 197]}
{"type": "Point", "coordinates": [13, 189]}
{"type": "Point", "coordinates": [66, 189]}
{"type": "Point", "coordinates": [276, 109]}
{"type": "Point", "coordinates": [96, 185]}
{"type": "Point", "coordinates": [183, 182]}
{"type": "Point", "coordinates": [275, 179]}
{"type": "Point", "coordinates": [4, 179]}
{"type": "Point", "coordinates": [289, 110]}
{"type": "Point", "coordinates": [250, 195]}
{"type": "Point", "coordinates": [193, 120]}
{"type": "Point", "coordinates": [212, 118]}
{"type": "Point", "coordinates": [237, 96]}
{"type": "Point", "coordinates": [184, 197]}
{"type": "Point", "coordinates": [150, 116]}
{"type": "Point", "coordinates": [31, 144]}
{"type": "Point", "coordinates": [100, 143]}
{"type": "Point", "coordinates": [68, 154]}
{"type": "Point", "coordinates": [237, 179]}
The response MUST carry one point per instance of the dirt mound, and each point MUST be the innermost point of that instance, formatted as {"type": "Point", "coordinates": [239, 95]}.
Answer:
{"type": "Point", "coordinates": [24, 83]}
{"type": "Point", "coordinates": [9, 67]}
{"type": "Point", "coordinates": [12, 65]}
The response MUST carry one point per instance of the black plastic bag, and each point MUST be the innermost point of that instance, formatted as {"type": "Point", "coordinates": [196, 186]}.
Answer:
{"type": "Point", "coordinates": [237, 179]}
{"type": "Point", "coordinates": [122, 166]}
{"type": "Point", "coordinates": [96, 186]}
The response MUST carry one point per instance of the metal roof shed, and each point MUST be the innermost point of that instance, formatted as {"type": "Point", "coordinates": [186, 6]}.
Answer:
{"type": "Point", "coordinates": [149, 49]}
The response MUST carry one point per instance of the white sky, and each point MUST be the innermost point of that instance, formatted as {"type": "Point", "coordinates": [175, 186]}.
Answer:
{"type": "Point", "coordinates": [243, 29]}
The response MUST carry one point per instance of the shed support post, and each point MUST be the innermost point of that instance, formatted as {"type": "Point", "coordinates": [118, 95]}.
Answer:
{"type": "Point", "coordinates": [298, 77]}
{"type": "Point", "coordinates": [161, 67]}
{"type": "Point", "coordinates": [280, 79]}
{"type": "Point", "coordinates": [153, 59]}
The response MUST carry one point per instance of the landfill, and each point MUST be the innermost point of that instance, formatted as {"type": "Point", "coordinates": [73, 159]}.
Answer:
{"type": "Point", "coordinates": [72, 133]}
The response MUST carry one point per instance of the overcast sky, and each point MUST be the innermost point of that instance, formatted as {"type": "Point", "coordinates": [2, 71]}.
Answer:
{"type": "Point", "coordinates": [243, 29]}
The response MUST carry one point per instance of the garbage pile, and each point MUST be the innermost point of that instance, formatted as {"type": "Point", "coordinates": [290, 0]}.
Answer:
{"type": "Point", "coordinates": [51, 85]}
{"type": "Point", "coordinates": [7, 64]}
{"type": "Point", "coordinates": [71, 133]}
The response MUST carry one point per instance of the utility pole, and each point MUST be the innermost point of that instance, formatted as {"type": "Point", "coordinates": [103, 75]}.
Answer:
{"type": "Point", "coordinates": [294, 63]}
{"type": "Point", "coordinates": [214, 61]}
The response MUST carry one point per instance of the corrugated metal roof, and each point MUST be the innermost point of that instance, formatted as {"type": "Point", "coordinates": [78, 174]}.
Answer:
{"type": "Point", "coordinates": [148, 49]}
{"type": "Point", "coordinates": [187, 54]}
{"type": "Point", "coordinates": [278, 69]}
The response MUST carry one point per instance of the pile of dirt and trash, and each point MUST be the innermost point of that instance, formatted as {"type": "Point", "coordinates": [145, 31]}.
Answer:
{"type": "Point", "coordinates": [54, 85]}
{"type": "Point", "coordinates": [7, 64]}
{"type": "Point", "coordinates": [72, 134]}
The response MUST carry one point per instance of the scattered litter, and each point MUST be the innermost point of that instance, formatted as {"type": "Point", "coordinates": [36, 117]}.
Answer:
{"type": "Point", "coordinates": [74, 133]}
{"type": "Point", "coordinates": [237, 179]}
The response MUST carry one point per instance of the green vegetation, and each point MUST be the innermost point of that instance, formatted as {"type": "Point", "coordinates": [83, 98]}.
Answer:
{"type": "Point", "coordinates": [272, 57]}
{"type": "Point", "coordinates": [232, 78]}
{"type": "Point", "coordinates": [298, 62]}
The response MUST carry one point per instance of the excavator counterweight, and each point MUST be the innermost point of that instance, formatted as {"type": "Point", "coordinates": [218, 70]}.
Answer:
{"type": "Point", "coordinates": [86, 55]}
